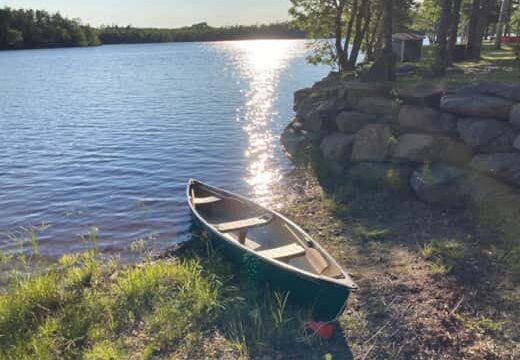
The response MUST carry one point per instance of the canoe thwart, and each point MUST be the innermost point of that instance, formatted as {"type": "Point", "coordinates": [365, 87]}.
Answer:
{"type": "Point", "coordinates": [284, 252]}
{"type": "Point", "coordinates": [206, 200]}
{"type": "Point", "coordinates": [244, 223]}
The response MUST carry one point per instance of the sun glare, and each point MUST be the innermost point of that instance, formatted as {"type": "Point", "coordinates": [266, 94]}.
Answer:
{"type": "Point", "coordinates": [261, 63]}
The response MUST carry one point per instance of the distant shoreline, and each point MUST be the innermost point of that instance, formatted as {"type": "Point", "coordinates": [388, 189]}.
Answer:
{"type": "Point", "coordinates": [152, 43]}
{"type": "Point", "coordinates": [38, 29]}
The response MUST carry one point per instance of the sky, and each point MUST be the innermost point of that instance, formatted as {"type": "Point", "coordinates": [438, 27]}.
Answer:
{"type": "Point", "coordinates": [162, 13]}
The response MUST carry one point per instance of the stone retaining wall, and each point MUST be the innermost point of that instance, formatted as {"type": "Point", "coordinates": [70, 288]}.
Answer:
{"type": "Point", "coordinates": [460, 145]}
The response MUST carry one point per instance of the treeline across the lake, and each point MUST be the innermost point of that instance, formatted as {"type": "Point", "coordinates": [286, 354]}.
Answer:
{"type": "Point", "coordinates": [30, 29]}
{"type": "Point", "coordinates": [197, 32]}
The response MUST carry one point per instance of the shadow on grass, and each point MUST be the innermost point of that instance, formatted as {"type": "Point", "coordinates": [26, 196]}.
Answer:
{"type": "Point", "coordinates": [256, 320]}
{"type": "Point", "coordinates": [432, 279]}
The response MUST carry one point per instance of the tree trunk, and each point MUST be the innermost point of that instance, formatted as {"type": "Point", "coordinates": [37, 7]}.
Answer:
{"type": "Point", "coordinates": [350, 25]}
{"type": "Point", "coordinates": [383, 68]}
{"type": "Point", "coordinates": [363, 14]}
{"type": "Point", "coordinates": [507, 27]}
{"type": "Point", "coordinates": [454, 29]}
{"type": "Point", "coordinates": [387, 25]}
{"type": "Point", "coordinates": [502, 19]}
{"type": "Point", "coordinates": [342, 58]}
{"type": "Point", "coordinates": [442, 36]}
{"type": "Point", "coordinates": [475, 28]}
{"type": "Point", "coordinates": [373, 45]}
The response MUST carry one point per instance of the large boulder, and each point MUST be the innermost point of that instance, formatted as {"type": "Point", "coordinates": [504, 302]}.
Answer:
{"type": "Point", "coordinates": [359, 89]}
{"type": "Point", "coordinates": [293, 139]}
{"type": "Point", "coordinates": [514, 116]}
{"type": "Point", "coordinates": [393, 176]}
{"type": "Point", "coordinates": [516, 143]}
{"type": "Point", "coordinates": [503, 166]}
{"type": "Point", "coordinates": [300, 96]}
{"type": "Point", "coordinates": [336, 146]}
{"type": "Point", "coordinates": [427, 120]}
{"type": "Point", "coordinates": [440, 184]}
{"type": "Point", "coordinates": [507, 91]}
{"type": "Point", "coordinates": [377, 105]}
{"type": "Point", "coordinates": [452, 186]}
{"type": "Point", "coordinates": [413, 147]}
{"type": "Point", "coordinates": [487, 135]}
{"type": "Point", "coordinates": [476, 105]}
{"type": "Point", "coordinates": [350, 122]}
{"type": "Point", "coordinates": [319, 116]}
{"type": "Point", "coordinates": [451, 151]}
{"type": "Point", "coordinates": [431, 148]}
{"type": "Point", "coordinates": [422, 94]}
{"type": "Point", "coordinates": [372, 143]}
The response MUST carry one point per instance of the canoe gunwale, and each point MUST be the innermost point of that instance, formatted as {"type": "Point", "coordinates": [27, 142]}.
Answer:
{"type": "Point", "coordinates": [346, 282]}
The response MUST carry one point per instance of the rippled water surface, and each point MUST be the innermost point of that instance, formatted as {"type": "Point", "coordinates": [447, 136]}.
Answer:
{"type": "Point", "coordinates": [107, 137]}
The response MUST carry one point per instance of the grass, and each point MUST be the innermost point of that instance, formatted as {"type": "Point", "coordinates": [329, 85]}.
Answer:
{"type": "Point", "coordinates": [73, 311]}
{"type": "Point", "coordinates": [495, 65]}
{"type": "Point", "coordinates": [86, 307]}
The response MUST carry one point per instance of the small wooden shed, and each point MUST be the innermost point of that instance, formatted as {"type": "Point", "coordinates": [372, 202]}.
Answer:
{"type": "Point", "coordinates": [407, 46]}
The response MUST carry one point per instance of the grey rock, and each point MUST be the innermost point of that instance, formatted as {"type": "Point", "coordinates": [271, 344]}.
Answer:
{"type": "Point", "coordinates": [377, 105]}
{"type": "Point", "coordinates": [486, 190]}
{"type": "Point", "coordinates": [359, 89]}
{"type": "Point", "coordinates": [441, 184]}
{"type": "Point", "coordinates": [507, 91]}
{"type": "Point", "coordinates": [487, 135]}
{"type": "Point", "coordinates": [452, 186]}
{"type": "Point", "coordinates": [451, 151]}
{"type": "Point", "coordinates": [372, 143]}
{"type": "Point", "coordinates": [476, 105]}
{"type": "Point", "coordinates": [294, 139]}
{"type": "Point", "coordinates": [503, 166]}
{"type": "Point", "coordinates": [291, 141]}
{"type": "Point", "coordinates": [427, 120]}
{"type": "Point", "coordinates": [318, 117]}
{"type": "Point", "coordinates": [336, 146]}
{"type": "Point", "coordinates": [387, 174]}
{"type": "Point", "coordinates": [300, 96]}
{"type": "Point", "coordinates": [514, 116]}
{"type": "Point", "coordinates": [351, 122]}
{"type": "Point", "coordinates": [431, 148]}
{"type": "Point", "coordinates": [414, 147]}
{"type": "Point", "coordinates": [516, 144]}
{"type": "Point", "coordinates": [422, 94]}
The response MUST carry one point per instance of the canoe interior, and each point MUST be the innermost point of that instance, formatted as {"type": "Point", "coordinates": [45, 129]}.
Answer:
{"type": "Point", "coordinates": [262, 231]}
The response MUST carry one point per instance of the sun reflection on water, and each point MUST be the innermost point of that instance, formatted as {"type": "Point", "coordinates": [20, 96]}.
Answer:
{"type": "Point", "coordinates": [261, 63]}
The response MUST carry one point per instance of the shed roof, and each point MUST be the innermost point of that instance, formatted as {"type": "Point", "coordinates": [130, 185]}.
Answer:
{"type": "Point", "coordinates": [407, 36]}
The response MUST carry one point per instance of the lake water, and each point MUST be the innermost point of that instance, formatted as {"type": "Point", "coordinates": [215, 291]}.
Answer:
{"type": "Point", "coordinates": [107, 137]}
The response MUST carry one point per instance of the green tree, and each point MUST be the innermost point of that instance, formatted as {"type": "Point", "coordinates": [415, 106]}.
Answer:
{"type": "Point", "coordinates": [14, 39]}
{"type": "Point", "coordinates": [426, 17]}
{"type": "Point", "coordinates": [354, 25]}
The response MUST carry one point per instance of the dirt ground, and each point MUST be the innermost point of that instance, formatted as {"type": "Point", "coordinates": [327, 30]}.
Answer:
{"type": "Point", "coordinates": [428, 288]}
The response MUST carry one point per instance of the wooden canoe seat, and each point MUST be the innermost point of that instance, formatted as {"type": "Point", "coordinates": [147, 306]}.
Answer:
{"type": "Point", "coordinates": [244, 223]}
{"type": "Point", "coordinates": [317, 261]}
{"type": "Point", "coordinates": [253, 245]}
{"type": "Point", "coordinates": [206, 200]}
{"type": "Point", "coordinates": [284, 252]}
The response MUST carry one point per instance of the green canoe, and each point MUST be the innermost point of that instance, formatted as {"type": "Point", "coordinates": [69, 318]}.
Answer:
{"type": "Point", "coordinates": [271, 248]}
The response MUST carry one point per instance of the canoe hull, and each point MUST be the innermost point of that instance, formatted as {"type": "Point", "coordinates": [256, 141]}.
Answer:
{"type": "Point", "coordinates": [326, 299]}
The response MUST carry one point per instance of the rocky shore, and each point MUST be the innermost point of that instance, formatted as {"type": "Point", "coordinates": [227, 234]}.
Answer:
{"type": "Point", "coordinates": [450, 146]}
{"type": "Point", "coordinates": [435, 248]}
